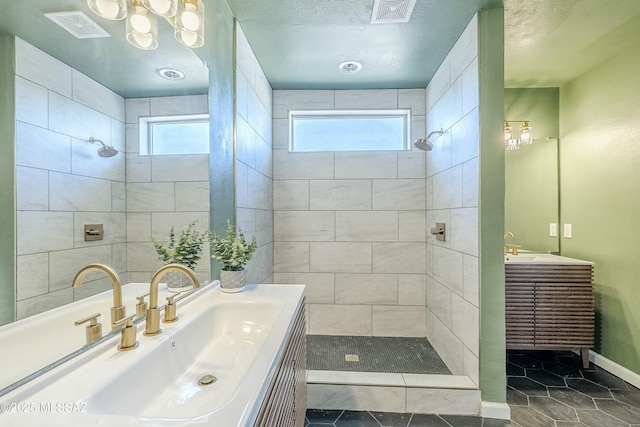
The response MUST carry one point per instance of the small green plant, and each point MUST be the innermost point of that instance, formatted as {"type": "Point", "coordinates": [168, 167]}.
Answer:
{"type": "Point", "coordinates": [232, 250]}
{"type": "Point", "coordinates": [186, 251]}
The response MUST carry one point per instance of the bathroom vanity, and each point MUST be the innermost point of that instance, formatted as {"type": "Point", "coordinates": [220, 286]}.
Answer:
{"type": "Point", "coordinates": [549, 303]}
{"type": "Point", "coordinates": [228, 360]}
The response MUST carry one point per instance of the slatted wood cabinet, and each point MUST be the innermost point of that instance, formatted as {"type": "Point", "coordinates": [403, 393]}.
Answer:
{"type": "Point", "coordinates": [550, 307]}
{"type": "Point", "coordinates": [285, 404]}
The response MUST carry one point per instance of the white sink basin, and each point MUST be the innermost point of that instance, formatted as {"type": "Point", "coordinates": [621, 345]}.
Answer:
{"type": "Point", "coordinates": [237, 338]}
{"type": "Point", "coordinates": [530, 258]}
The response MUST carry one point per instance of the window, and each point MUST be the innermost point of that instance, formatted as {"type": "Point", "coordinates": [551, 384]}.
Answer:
{"type": "Point", "coordinates": [349, 130]}
{"type": "Point", "coordinates": [164, 135]}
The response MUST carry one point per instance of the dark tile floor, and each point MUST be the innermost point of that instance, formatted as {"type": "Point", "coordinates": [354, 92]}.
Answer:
{"type": "Point", "coordinates": [544, 389]}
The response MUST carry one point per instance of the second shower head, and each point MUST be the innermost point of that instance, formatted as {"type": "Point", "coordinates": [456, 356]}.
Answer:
{"type": "Point", "coordinates": [424, 144]}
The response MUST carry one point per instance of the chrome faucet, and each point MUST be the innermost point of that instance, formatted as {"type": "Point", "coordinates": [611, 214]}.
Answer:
{"type": "Point", "coordinates": [118, 310]}
{"type": "Point", "coordinates": [152, 326]}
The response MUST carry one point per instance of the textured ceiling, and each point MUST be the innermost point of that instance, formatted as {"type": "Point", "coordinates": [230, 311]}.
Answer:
{"type": "Point", "coordinates": [300, 43]}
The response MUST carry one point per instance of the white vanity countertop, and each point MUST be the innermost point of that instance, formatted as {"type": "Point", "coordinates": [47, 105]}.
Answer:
{"type": "Point", "coordinates": [531, 258]}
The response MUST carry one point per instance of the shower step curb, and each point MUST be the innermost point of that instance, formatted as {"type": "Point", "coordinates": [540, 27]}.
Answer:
{"type": "Point", "coordinates": [391, 392]}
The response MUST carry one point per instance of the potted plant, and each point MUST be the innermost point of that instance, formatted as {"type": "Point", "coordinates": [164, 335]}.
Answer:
{"type": "Point", "coordinates": [234, 253]}
{"type": "Point", "coordinates": [186, 251]}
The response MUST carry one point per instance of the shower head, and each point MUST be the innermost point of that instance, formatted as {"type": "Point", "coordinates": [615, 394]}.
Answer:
{"type": "Point", "coordinates": [424, 144]}
{"type": "Point", "coordinates": [105, 150]}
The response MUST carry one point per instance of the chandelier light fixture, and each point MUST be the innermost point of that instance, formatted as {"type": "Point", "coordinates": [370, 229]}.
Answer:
{"type": "Point", "coordinates": [185, 16]}
{"type": "Point", "coordinates": [523, 134]}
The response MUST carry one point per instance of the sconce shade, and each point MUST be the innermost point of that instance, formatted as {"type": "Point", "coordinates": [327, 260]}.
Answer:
{"type": "Point", "coordinates": [166, 8]}
{"type": "Point", "coordinates": [114, 10]}
{"type": "Point", "coordinates": [190, 23]}
{"type": "Point", "coordinates": [525, 137]}
{"type": "Point", "coordinates": [142, 27]}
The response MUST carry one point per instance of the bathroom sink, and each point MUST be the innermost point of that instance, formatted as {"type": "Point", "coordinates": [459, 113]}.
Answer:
{"type": "Point", "coordinates": [236, 338]}
{"type": "Point", "coordinates": [530, 258]}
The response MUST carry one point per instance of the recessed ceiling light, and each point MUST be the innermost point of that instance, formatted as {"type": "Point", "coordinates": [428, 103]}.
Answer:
{"type": "Point", "coordinates": [350, 67]}
{"type": "Point", "coordinates": [171, 74]}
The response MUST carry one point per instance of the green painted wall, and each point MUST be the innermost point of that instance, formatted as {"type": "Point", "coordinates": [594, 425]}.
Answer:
{"type": "Point", "coordinates": [7, 180]}
{"type": "Point", "coordinates": [491, 85]}
{"type": "Point", "coordinates": [218, 54]}
{"type": "Point", "coordinates": [531, 172]}
{"type": "Point", "coordinates": [600, 195]}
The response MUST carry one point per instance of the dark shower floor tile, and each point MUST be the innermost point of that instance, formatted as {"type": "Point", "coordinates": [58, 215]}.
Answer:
{"type": "Point", "coordinates": [374, 354]}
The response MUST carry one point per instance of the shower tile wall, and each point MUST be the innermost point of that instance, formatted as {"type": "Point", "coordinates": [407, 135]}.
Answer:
{"type": "Point", "coordinates": [351, 225]}
{"type": "Point", "coordinates": [163, 190]}
{"type": "Point", "coordinates": [61, 182]}
{"type": "Point", "coordinates": [254, 164]}
{"type": "Point", "coordinates": [452, 198]}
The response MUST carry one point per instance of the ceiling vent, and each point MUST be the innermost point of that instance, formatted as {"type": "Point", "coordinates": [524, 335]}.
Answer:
{"type": "Point", "coordinates": [392, 11]}
{"type": "Point", "coordinates": [78, 24]}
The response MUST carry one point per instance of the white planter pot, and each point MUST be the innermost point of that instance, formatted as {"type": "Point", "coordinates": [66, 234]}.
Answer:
{"type": "Point", "coordinates": [177, 281]}
{"type": "Point", "coordinates": [233, 281]}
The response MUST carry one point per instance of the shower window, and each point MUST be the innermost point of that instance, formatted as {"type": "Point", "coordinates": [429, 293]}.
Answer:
{"type": "Point", "coordinates": [169, 135]}
{"type": "Point", "coordinates": [349, 130]}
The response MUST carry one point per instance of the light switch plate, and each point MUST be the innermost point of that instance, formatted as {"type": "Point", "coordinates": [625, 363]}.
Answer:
{"type": "Point", "coordinates": [553, 229]}
{"type": "Point", "coordinates": [567, 231]}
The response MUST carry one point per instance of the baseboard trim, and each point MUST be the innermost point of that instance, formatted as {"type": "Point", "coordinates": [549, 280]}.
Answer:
{"type": "Point", "coordinates": [616, 369]}
{"type": "Point", "coordinates": [495, 410]}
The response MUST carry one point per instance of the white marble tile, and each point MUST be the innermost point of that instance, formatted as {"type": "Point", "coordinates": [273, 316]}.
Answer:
{"type": "Point", "coordinates": [412, 289]}
{"type": "Point", "coordinates": [398, 321]}
{"type": "Point", "coordinates": [366, 226]}
{"type": "Point", "coordinates": [459, 382]}
{"type": "Point", "coordinates": [32, 189]}
{"type": "Point", "coordinates": [326, 319]}
{"type": "Point", "coordinates": [92, 288]}
{"type": "Point", "coordinates": [439, 216]}
{"type": "Point", "coordinates": [259, 116]}
{"type": "Point", "coordinates": [414, 99]}
{"type": "Point", "coordinates": [285, 100]}
{"type": "Point", "coordinates": [245, 59]}
{"type": "Point", "coordinates": [472, 366]}
{"type": "Point", "coordinates": [115, 228]}
{"type": "Point", "coordinates": [439, 301]}
{"type": "Point", "coordinates": [302, 165]}
{"type": "Point", "coordinates": [447, 189]}
{"type": "Point", "coordinates": [439, 158]}
{"type": "Point", "coordinates": [263, 90]}
{"type": "Point", "coordinates": [242, 95]}
{"type": "Point", "coordinates": [118, 197]}
{"type": "Point", "coordinates": [366, 165]}
{"type": "Point", "coordinates": [264, 226]}
{"type": "Point", "coordinates": [411, 164]}
{"type": "Point", "coordinates": [449, 347]}
{"type": "Point", "coordinates": [42, 303]}
{"type": "Point", "coordinates": [260, 268]}
{"type": "Point", "coordinates": [302, 226]}
{"type": "Point", "coordinates": [85, 161]}
{"type": "Point", "coordinates": [94, 95]}
{"type": "Point", "coordinates": [77, 193]}
{"type": "Point", "coordinates": [340, 257]}
{"type": "Point", "coordinates": [464, 230]}
{"type": "Point", "coordinates": [161, 223]}
{"type": "Point", "coordinates": [366, 288]}
{"type": "Point", "coordinates": [418, 130]}
{"type": "Point", "coordinates": [41, 68]}
{"type": "Point", "coordinates": [242, 185]}
{"type": "Point", "coordinates": [290, 257]}
{"type": "Point", "coordinates": [447, 267]}
{"type": "Point", "coordinates": [470, 87]}
{"type": "Point", "coordinates": [260, 190]}
{"type": "Point", "coordinates": [367, 99]}
{"type": "Point", "coordinates": [465, 323]}
{"type": "Point", "coordinates": [412, 226]}
{"type": "Point", "coordinates": [42, 149]}
{"type": "Point", "coordinates": [151, 197]}
{"type": "Point", "coordinates": [465, 138]}
{"type": "Point", "coordinates": [399, 257]}
{"type": "Point", "coordinates": [280, 133]}
{"type": "Point", "coordinates": [352, 194]}
{"type": "Point", "coordinates": [74, 119]}
{"type": "Point", "coordinates": [32, 275]}
{"type": "Point", "coordinates": [179, 105]}
{"type": "Point", "coordinates": [448, 110]}
{"type": "Point", "coordinates": [138, 227]}
{"type": "Point", "coordinates": [63, 265]}
{"type": "Point", "coordinates": [289, 194]}
{"type": "Point", "coordinates": [470, 183]}
{"type": "Point", "coordinates": [43, 231]}
{"type": "Point", "coordinates": [355, 378]}
{"type": "Point", "coordinates": [245, 143]}
{"type": "Point", "coordinates": [264, 157]}
{"type": "Point", "coordinates": [135, 108]}
{"type": "Point", "coordinates": [442, 401]}
{"type": "Point", "coordinates": [319, 287]}
{"type": "Point", "coordinates": [180, 168]}
{"type": "Point", "coordinates": [193, 196]}
{"type": "Point", "coordinates": [399, 194]}
{"type": "Point", "coordinates": [132, 138]}
{"type": "Point", "coordinates": [246, 220]}
{"type": "Point", "coordinates": [470, 280]}
{"type": "Point", "coordinates": [439, 83]}
{"type": "Point", "coordinates": [142, 257]}
{"type": "Point", "coordinates": [31, 103]}
{"type": "Point", "coordinates": [356, 398]}
{"type": "Point", "coordinates": [465, 49]}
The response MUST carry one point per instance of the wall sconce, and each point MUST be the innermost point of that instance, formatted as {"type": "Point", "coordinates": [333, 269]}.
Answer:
{"type": "Point", "coordinates": [185, 16]}
{"type": "Point", "coordinates": [511, 142]}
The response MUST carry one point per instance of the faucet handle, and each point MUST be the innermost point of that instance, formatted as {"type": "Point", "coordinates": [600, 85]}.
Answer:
{"type": "Point", "coordinates": [141, 307]}
{"type": "Point", "coordinates": [170, 311]}
{"type": "Point", "coordinates": [93, 330]}
{"type": "Point", "coordinates": [128, 338]}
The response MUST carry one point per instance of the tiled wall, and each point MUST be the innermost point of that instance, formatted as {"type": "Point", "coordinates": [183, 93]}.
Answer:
{"type": "Point", "coordinates": [61, 181]}
{"type": "Point", "coordinates": [254, 182]}
{"type": "Point", "coordinates": [351, 225]}
{"type": "Point", "coordinates": [163, 190]}
{"type": "Point", "coordinates": [452, 198]}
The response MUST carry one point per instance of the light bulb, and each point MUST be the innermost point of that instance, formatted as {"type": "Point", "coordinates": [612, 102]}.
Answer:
{"type": "Point", "coordinates": [140, 22]}
{"type": "Point", "coordinates": [107, 8]}
{"type": "Point", "coordinates": [189, 18]}
{"type": "Point", "coordinates": [189, 38]}
{"type": "Point", "coordinates": [160, 7]}
{"type": "Point", "coordinates": [143, 40]}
